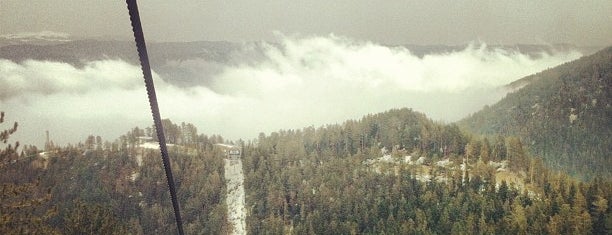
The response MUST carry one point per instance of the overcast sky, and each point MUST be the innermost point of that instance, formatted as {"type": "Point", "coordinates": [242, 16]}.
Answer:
{"type": "Point", "coordinates": [387, 22]}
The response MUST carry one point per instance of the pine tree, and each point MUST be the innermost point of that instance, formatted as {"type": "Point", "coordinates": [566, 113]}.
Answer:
{"type": "Point", "coordinates": [19, 201]}
{"type": "Point", "coordinates": [499, 149]}
{"type": "Point", "coordinates": [485, 151]}
{"type": "Point", "coordinates": [516, 153]}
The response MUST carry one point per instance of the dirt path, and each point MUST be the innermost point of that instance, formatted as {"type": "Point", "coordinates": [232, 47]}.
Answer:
{"type": "Point", "coordinates": [235, 196]}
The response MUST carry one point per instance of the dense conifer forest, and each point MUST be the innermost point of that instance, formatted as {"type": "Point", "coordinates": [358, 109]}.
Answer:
{"type": "Point", "coordinates": [116, 187]}
{"type": "Point", "coordinates": [305, 117]}
{"type": "Point", "coordinates": [319, 181]}
{"type": "Point", "coordinates": [562, 115]}
{"type": "Point", "coordinates": [396, 172]}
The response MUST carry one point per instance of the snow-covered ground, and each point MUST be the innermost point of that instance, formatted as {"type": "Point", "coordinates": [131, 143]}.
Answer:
{"type": "Point", "coordinates": [235, 196]}
{"type": "Point", "coordinates": [153, 145]}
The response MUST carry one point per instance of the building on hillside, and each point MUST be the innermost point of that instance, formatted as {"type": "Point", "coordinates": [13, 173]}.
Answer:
{"type": "Point", "coordinates": [229, 151]}
{"type": "Point", "coordinates": [145, 139]}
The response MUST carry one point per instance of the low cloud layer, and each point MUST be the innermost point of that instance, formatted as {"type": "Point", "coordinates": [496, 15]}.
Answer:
{"type": "Point", "coordinates": [48, 78]}
{"type": "Point", "coordinates": [301, 82]}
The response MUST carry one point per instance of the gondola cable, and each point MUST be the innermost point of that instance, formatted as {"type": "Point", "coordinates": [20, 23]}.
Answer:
{"type": "Point", "coordinates": [146, 70]}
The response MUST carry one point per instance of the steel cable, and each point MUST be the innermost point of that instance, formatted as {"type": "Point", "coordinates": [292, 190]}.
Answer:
{"type": "Point", "coordinates": [146, 70]}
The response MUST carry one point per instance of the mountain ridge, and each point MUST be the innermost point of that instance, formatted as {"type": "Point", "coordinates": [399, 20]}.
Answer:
{"type": "Point", "coordinates": [90, 49]}
{"type": "Point", "coordinates": [562, 113]}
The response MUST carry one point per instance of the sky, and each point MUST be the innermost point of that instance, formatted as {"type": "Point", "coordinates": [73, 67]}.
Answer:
{"type": "Point", "coordinates": [584, 23]}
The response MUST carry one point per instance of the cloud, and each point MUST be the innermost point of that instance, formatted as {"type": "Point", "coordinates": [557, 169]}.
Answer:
{"type": "Point", "coordinates": [341, 61]}
{"type": "Point", "coordinates": [296, 83]}
{"type": "Point", "coordinates": [319, 80]}
{"type": "Point", "coordinates": [44, 77]}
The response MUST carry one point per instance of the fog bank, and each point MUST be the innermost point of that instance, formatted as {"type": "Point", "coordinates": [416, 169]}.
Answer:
{"type": "Point", "coordinates": [301, 82]}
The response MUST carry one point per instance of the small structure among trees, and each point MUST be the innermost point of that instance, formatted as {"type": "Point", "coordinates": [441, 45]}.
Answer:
{"type": "Point", "coordinates": [230, 152]}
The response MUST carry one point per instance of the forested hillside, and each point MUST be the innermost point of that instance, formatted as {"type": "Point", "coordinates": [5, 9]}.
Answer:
{"type": "Point", "coordinates": [395, 172]}
{"type": "Point", "coordinates": [562, 114]}
{"type": "Point", "coordinates": [361, 177]}
{"type": "Point", "coordinates": [111, 187]}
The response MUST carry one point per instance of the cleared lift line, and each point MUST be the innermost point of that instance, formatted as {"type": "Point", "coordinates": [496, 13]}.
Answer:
{"type": "Point", "coordinates": [235, 199]}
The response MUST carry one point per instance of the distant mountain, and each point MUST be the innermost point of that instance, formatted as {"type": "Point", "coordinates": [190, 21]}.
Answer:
{"type": "Point", "coordinates": [35, 38]}
{"type": "Point", "coordinates": [563, 114]}
{"type": "Point", "coordinates": [79, 51]}
{"type": "Point", "coordinates": [165, 58]}
{"type": "Point", "coordinates": [533, 50]}
{"type": "Point", "coordinates": [180, 63]}
{"type": "Point", "coordinates": [74, 52]}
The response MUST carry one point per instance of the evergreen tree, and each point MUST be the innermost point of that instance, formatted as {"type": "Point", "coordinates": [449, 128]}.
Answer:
{"type": "Point", "coordinates": [22, 208]}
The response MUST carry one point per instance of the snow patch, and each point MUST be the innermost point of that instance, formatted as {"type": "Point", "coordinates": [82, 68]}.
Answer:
{"type": "Point", "coordinates": [149, 145]}
{"type": "Point", "coordinates": [386, 158]}
{"type": "Point", "coordinates": [443, 163]}
{"type": "Point", "coordinates": [500, 166]}
{"type": "Point", "coordinates": [152, 145]}
{"type": "Point", "coordinates": [572, 118]}
{"type": "Point", "coordinates": [139, 159]}
{"type": "Point", "coordinates": [134, 176]}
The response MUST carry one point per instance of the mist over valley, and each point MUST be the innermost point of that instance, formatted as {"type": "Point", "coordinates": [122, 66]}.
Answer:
{"type": "Point", "coordinates": [237, 90]}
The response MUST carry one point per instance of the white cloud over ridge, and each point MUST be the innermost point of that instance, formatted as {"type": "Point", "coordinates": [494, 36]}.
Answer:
{"type": "Point", "coordinates": [375, 66]}
{"type": "Point", "coordinates": [301, 82]}
{"type": "Point", "coordinates": [46, 77]}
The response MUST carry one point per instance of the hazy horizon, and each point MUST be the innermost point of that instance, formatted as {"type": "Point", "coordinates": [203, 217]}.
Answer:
{"type": "Point", "coordinates": [583, 23]}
